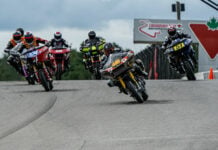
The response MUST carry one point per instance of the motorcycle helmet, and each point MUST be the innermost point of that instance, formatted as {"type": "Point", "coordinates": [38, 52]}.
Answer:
{"type": "Point", "coordinates": [108, 49]}
{"type": "Point", "coordinates": [17, 36]}
{"type": "Point", "coordinates": [28, 37]}
{"type": "Point", "coordinates": [21, 31]}
{"type": "Point", "coordinates": [57, 36]}
{"type": "Point", "coordinates": [171, 31]}
{"type": "Point", "coordinates": [92, 35]}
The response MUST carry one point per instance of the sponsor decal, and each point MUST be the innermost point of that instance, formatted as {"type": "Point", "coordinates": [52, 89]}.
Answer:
{"type": "Point", "coordinates": [207, 35]}
{"type": "Point", "coordinates": [153, 29]}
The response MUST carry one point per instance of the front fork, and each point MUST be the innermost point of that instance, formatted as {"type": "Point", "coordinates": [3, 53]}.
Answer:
{"type": "Point", "coordinates": [132, 78]}
{"type": "Point", "coordinates": [24, 68]}
{"type": "Point", "coordinates": [189, 60]}
{"type": "Point", "coordinates": [36, 73]}
{"type": "Point", "coordinates": [45, 71]}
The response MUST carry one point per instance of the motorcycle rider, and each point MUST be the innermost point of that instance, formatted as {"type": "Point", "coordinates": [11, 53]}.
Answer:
{"type": "Point", "coordinates": [172, 35]}
{"type": "Point", "coordinates": [16, 38]}
{"type": "Point", "coordinates": [138, 66]}
{"type": "Point", "coordinates": [59, 43]}
{"type": "Point", "coordinates": [92, 40]}
{"type": "Point", "coordinates": [21, 30]}
{"type": "Point", "coordinates": [31, 41]}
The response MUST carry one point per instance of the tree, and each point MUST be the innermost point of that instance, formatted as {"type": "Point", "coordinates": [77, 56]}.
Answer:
{"type": "Point", "coordinates": [7, 71]}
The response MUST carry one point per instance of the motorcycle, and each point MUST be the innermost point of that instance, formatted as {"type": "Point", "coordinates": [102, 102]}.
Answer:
{"type": "Point", "coordinates": [14, 60]}
{"type": "Point", "coordinates": [178, 51]}
{"type": "Point", "coordinates": [120, 68]}
{"type": "Point", "coordinates": [95, 65]}
{"type": "Point", "coordinates": [29, 76]}
{"type": "Point", "coordinates": [93, 58]}
{"type": "Point", "coordinates": [35, 59]}
{"type": "Point", "coordinates": [58, 58]}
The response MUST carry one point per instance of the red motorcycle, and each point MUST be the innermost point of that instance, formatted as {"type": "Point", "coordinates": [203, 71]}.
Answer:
{"type": "Point", "coordinates": [58, 58]}
{"type": "Point", "coordinates": [35, 58]}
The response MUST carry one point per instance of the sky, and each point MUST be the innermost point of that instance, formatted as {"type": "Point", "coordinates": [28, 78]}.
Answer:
{"type": "Point", "coordinates": [110, 19]}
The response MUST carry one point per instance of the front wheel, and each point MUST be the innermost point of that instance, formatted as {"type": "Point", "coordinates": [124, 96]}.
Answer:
{"type": "Point", "coordinates": [45, 83]}
{"type": "Point", "coordinates": [59, 72]}
{"type": "Point", "coordinates": [189, 71]}
{"type": "Point", "coordinates": [135, 92]}
{"type": "Point", "coordinates": [142, 84]}
{"type": "Point", "coordinates": [97, 74]}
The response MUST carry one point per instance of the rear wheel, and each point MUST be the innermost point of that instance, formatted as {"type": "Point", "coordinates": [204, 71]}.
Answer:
{"type": "Point", "coordinates": [135, 93]}
{"type": "Point", "coordinates": [45, 83]}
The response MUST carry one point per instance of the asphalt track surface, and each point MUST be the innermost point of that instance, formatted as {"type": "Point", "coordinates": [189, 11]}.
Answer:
{"type": "Point", "coordinates": [88, 115]}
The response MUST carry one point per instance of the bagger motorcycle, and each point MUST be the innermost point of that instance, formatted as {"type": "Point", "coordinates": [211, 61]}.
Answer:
{"type": "Point", "coordinates": [14, 60]}
{"type": "Point", "coordinates": [35, 59]}
{"type": "Point", "coordinates": [178, 50]}
{"type": "Point", "coordinates": [92, 55]}
{"type": "Point", "coordinates": [120, 69]}
{"type": "Point", "coordinates": [58, 59]}
{"type": "Point", "coordinates": [18, 64]}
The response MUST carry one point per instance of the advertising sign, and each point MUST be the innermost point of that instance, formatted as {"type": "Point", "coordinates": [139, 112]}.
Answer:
{"type": "Point", "coordinates": [205, 33]}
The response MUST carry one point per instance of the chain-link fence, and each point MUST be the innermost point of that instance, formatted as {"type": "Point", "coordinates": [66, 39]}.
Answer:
{"type": "Point", "coordinates": [156, 63]}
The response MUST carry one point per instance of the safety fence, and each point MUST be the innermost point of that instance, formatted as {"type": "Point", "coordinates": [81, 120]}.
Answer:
{"type": "Point", "coordinates": [156, 63]}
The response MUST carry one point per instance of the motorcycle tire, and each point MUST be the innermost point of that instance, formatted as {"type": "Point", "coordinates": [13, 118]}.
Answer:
{"type": "Point", "coordinates": [44, 81]}
{"type": "Point", "coordinates": [142, 83]}
{"type": "Point", "coordinates": [189, 71]}
{"type": "Point", "coordinates": [50, 85]}
{"type": "Point", "coordinates": [30, 80]}
{"type": "Point", "coordinates": [59, 72]}
{"type": "Point", "coordinates": [135, 93]}
{"type": "Point", "coordinates": [97, 74]}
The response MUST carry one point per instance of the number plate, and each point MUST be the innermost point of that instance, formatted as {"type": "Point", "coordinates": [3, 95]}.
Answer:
{"type": "Point", "coordinates": [178, 46]}
{"type": "Point", "coordinates": [59, 51]}
{"type": "Point", "coordinates": [32, 54]}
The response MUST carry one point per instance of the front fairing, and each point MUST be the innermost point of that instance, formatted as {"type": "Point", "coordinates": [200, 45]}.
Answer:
{"type": "Point", "coordinates": [180, 45]}
{"type": "Point", "coordinates": [112, 58]}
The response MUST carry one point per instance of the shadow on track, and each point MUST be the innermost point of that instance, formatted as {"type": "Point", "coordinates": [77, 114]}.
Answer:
{"type": "Point", "coordinates": [17, 84]}
{"type": "Point", "coordinates": [148, 102]}
{"type": "Point", "coordinates": [53, 91]}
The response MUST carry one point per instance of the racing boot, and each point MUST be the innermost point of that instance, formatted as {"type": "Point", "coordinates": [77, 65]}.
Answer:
{"type": "Point", "coordinates": [110, 83]}
{"type": "Point", "coordinates": [180, 70]}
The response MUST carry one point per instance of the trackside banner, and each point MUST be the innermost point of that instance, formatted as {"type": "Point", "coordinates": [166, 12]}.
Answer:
{"type": "Point", "coordinates": [205, 33]}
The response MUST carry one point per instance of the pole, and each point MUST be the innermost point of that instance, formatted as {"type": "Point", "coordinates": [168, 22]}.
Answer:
{"type": "Point", "coordinates": [178, 10]}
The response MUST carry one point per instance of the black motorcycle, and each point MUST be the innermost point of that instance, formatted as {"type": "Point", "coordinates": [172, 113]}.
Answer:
{"type": "Point", "coordinates": [179, 53]}
{"type": "Point", "coordinates": [120, 69]}
{"type": "Point", "coordinates": [92, 54]}
{"type": "Point", "coordinates": [16, 62]}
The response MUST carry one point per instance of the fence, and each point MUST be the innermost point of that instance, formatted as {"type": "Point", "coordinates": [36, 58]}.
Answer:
{"type": "Point", "coordinates": [156, 63]}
